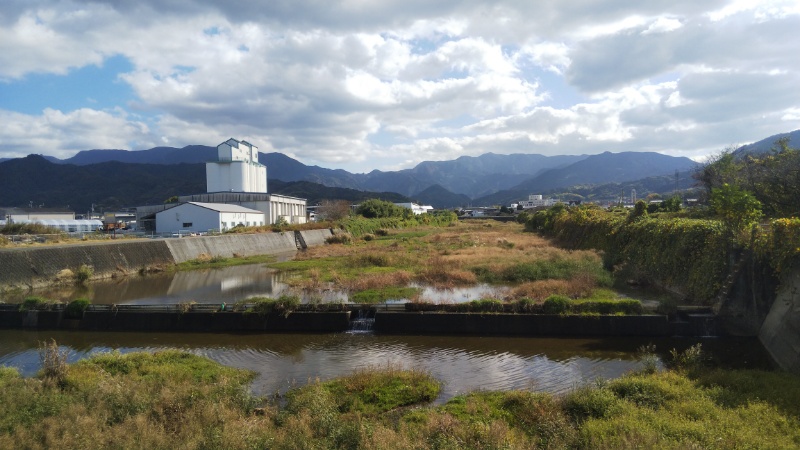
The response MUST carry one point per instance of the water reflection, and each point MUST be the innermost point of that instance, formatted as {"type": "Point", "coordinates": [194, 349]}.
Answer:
{"type": "Point", "coordinates": [229, 284]}
{"type": "Point", "coordinates": [463, 363]}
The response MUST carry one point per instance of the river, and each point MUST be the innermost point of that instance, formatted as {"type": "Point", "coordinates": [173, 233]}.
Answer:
{"type": "Point", "coordinates": [462, 363]}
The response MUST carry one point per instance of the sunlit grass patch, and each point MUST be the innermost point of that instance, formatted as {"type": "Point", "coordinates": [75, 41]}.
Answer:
{"type": "Point", "coordinates": [216, 262]}
{"type": "Point", "coordinates": [372, 390]}
{"type": "Point", "coordinates": [383, 294]}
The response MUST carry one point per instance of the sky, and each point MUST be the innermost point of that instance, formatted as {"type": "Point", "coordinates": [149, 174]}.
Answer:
{"type": "Point", "coordinates": [386, 84]}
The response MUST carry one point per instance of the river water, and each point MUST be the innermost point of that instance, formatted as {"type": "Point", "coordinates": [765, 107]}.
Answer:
{"type": "Point", "coordinates": [281, 361]}
{"type": "Point", "coordinates": [229, 284]}
{"type": "Point", "coordinates": [462, 363]}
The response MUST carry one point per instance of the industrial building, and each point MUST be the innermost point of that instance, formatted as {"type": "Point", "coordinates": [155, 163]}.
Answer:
{"type": "Point", "coordinates": [235, 179]}
{"type": "Point", "coordinates": [195, 216]}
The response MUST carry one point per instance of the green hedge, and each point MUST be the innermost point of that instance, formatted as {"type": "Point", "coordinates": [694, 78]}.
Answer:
{"type": "Point", "coordinates": [688, 254]}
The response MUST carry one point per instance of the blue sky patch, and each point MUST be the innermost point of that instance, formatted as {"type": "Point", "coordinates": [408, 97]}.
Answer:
{"type": "Point", "coordinates": [88, 87]}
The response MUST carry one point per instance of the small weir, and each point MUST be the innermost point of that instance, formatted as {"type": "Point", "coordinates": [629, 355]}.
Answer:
{"type": "Point", "coordinates": [362, 321]}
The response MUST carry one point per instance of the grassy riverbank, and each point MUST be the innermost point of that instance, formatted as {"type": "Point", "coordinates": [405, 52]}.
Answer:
{"type": "Point", "coordinates": [176, 400]}
{"type": "Point", "coordinates": [377, 266]}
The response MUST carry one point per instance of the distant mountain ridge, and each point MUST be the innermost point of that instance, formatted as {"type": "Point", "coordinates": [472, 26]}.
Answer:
{"type": "Point", "coordinates": [490, 179]}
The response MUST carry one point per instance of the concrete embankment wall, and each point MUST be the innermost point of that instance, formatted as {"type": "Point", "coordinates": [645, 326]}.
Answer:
{"type": "Point", "coordinates": [780, 332]}
{"type": "Point", "coordinates": [316, 237]}
{"type": "Point", "coordinates": [187, 249]}
{"type": "Point", "coordinates": [38, 266]}
{"type": "Point", "coordinates": [519, 324]}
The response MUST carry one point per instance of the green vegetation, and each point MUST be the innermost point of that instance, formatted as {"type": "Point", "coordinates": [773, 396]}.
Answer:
{"type": "Point", "coordinates": [28, 228]}
{"type": "Point", "coordinates": [208, 262]}
{"type": "Point", "coordinates": [687, 253]}
{"type": "Point", "coordinates": [263, 305]}
{"type": "Point", "coordinates": [35, 303]}
{"type": "Point", "coordinates": [84, 273]}
{"type": "Point", "coordinates": [381, 295]}
{"type": "Point", "coordinates": [75, 308]}
{"type": "Point", "coordinates": [767, 182]}
{"type": "Point", "coordinates": [177, 400]}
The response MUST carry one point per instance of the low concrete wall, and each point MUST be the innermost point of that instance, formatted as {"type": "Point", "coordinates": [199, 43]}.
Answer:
{"type": "Point", "coordinates": [780, 332]}
{"type": "Point", "coordinates": [519, 324]}
{"type": "Point", "coordinates": [187, 249]}
{"type": "Point", "coordinates": [40, 265]}
{"type": "Point", "coordinates": [316, 237]}
{"type": "Point", "coordinates": [202, 322]}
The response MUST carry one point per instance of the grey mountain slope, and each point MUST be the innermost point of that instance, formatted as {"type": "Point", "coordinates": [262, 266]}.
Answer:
{"type": "Point", "coordinates": [766, 145]}
{"type": "Point", "coordinates": [441, 198]}
{"type": "Point", "coordinates": [468, 175]}
{"type": "Point", "coordinates": [594, 170]}
{"type": "Point", "coordinates": [608, 167]}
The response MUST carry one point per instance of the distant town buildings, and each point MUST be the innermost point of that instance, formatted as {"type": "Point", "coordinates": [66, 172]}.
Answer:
{"type": "Point", "coordinates": [416, 208]}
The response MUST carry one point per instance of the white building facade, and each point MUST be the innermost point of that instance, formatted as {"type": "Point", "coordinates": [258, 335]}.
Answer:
{"type": "Point", "coordinates": [536, 201]}
{"type": "Point", "coordinates": [200, 217]}
{"type": "Point", "coordinates": [237, 169]}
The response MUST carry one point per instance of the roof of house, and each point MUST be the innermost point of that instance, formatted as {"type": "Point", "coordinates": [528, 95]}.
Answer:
{"type": "Point", "coordinates": [225, 207]}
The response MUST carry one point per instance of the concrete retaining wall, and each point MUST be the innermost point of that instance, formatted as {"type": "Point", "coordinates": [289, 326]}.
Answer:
{"type": "Point", "coordinates": [780, 332]}
{"type": "Point", "coordinates": [316, 237]}
{"type": "Point", "coordinates": [187, 249]}
{"type": "Point", "coordinates": [519, 324]}
{"type": "Point", "coordinates": [40, 265]}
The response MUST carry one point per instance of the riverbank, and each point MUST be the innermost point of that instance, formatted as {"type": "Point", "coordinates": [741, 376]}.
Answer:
{"type": "Point", "coordinates": [27, 268]}
{"type": "Point", "coordinates": [171, 399]}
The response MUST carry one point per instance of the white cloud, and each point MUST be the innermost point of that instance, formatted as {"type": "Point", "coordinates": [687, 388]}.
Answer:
{"type": "Point", "coordinates": [61, 134]}
{"type": "Point", "coordinates": [376, 84]}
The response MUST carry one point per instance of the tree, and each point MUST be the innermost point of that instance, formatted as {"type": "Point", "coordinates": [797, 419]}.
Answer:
{"type": "Point", "coordinates": [737, 207]}
{"type": "Point", "coordinates": [639, 210]}
{"type": "Point", "coordinates": [333, 210]}
{"type": "Point", "coordinates": [374, 208]}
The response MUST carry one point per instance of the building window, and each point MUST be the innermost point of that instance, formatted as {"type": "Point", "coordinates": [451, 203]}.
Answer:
{"type": "Point", "coordinates": [187, 224]}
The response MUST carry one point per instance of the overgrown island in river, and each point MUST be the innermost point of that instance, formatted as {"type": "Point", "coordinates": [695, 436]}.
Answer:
{"type": "Point", "coordinates": [561, 258]}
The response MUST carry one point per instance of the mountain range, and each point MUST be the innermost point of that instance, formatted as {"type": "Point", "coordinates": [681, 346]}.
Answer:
{"type": "Point", "coordinates": [122, 178]}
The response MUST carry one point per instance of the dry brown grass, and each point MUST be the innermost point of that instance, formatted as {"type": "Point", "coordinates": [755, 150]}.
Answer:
{"type": "Point", "coordinates": [444, 258]}
{"type": "Point", "coordinates": [579, 286]}
{"type": "Point", "coordinates": [377, 281]}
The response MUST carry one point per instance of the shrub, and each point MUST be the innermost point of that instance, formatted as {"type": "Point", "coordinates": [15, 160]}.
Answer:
{"type": "Point", "coordinates": [647, 356]}
{"type": "Point", "coordinates": [690, 359]}
{"type": "Point", "coordinates": [84, 273]}
{"type": "Point", "coordinates": [35, 303]}
{"type": "Point", "coordinates": [486, 305]}
{"type": "Point", "coordinates": [284, 304]}
{"type": "Point", "coordinates": [54, 362]}
{"type": "Point", "coordinates": [526, 305]}
{"type": "Point", "coordinates": [75, 308]}
{"type": "Point", "coordinates": [589, 403]}
{"type": "Point", "coordinates": [607, 306]}
{"type": "Point", "coordinates": [556, 304]}
{"type": "Point", "coordinates": [341, 238]}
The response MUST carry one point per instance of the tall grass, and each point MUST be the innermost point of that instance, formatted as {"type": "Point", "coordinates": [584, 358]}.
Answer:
{"type": "Point", "coordinates": [177, 400]}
